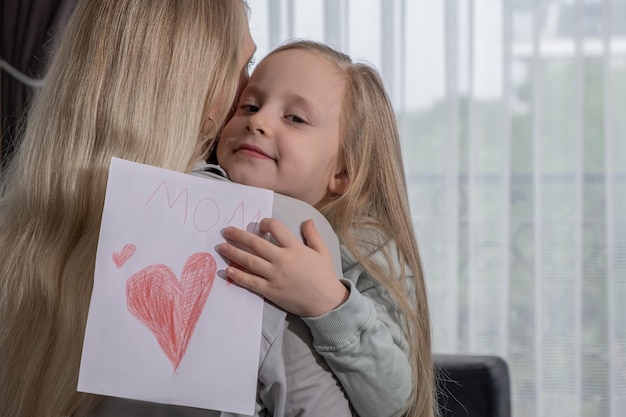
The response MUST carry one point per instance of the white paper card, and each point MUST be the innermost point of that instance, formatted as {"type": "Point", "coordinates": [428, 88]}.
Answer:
{"type": "Point", "coordinates": [162, 325]}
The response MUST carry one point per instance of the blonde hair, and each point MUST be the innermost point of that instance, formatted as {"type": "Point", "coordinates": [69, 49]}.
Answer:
{"type": "Point", "coordinates": [131, 79]}
{"type": "Point", "coordinates": [377, 201]}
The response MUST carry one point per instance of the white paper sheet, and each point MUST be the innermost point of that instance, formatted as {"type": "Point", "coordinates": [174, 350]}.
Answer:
{"type": "Point", "coordinates": [162, 325]}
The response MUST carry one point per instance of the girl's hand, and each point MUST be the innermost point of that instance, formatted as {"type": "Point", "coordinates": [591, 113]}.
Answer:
{"type": "Point", "coordinates": [298, 277]}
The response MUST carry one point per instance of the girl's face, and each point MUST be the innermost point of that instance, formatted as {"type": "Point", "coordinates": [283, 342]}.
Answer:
{"type": "Point", "coordinates": [284, 135]}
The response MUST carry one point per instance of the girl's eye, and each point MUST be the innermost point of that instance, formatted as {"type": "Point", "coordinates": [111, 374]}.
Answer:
{"type": "Point", "coordinates": [294, 119]}
{"type": "Point", "coordinates": [249, 108]}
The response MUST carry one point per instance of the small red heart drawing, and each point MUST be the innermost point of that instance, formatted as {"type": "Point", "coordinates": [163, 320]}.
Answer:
{"type": "Point", "coordinates": [169, 308]}
{"type": "Point", "coordinates": [119, 259]}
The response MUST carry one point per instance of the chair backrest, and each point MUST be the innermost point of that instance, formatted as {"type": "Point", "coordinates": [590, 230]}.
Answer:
{"type": "Point", "coordinates": [472, 385]}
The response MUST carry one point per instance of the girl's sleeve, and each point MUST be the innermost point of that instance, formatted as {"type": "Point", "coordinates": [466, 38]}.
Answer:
{"type": "Point", "coordinates": [293, 380]}
{"type": "Point", "coordinates": [365, 347]}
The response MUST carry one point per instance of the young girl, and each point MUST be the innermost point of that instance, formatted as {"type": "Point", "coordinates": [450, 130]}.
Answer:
{"type": "Point", "coordinates": [150, 81]}
{"type": "Point", "coordinates": [313, 125]}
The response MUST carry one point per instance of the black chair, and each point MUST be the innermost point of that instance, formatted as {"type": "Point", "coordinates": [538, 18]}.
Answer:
{"type": "Point", "coordinates": [472, 386]}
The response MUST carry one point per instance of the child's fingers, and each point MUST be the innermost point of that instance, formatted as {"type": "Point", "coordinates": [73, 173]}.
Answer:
{"type": "Point", "coordinates": [313, 238]}
{"type": "Point", "coordinates": [247, 280]}
{"type": "Point", "coordinates": [251, 242]}
{"type": "Point", "coordinates": [249, 261]}
{"type": "Point", "coordinates": [279, 231]}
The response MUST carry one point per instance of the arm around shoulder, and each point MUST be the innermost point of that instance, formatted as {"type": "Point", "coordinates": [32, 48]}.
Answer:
{"type": "Point", "coordinates": [362, 345]}
{"type": "Point", "coordinates": [295, 381]}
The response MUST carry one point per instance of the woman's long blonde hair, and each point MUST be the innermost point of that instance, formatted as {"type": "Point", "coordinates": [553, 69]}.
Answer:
{"type": "Point", "coordinates": [134, 79]}
{"type": "Point", "coordinates": [376, 200]}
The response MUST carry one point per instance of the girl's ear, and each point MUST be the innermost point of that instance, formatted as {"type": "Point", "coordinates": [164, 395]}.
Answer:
{"type": "Point", "coordinates": [339, 183]}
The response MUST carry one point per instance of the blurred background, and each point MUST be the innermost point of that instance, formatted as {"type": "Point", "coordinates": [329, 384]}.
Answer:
{"type": "Point", "coordinates": [512, 117]}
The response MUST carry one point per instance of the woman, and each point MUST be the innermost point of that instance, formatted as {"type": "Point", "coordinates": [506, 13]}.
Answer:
{"type": "Point", "coordinates": [150, 81]}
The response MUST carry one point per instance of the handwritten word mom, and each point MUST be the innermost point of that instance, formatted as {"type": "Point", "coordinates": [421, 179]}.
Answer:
{"type": "Point", "coordinates": [205, 214]}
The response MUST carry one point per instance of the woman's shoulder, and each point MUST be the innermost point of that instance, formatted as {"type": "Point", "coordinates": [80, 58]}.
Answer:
{"type": "Point", "coordinates": [369, 241]}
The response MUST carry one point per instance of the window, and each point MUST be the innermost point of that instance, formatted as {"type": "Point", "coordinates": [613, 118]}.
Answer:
{"type": "Point", "coordinates": [515, 153]}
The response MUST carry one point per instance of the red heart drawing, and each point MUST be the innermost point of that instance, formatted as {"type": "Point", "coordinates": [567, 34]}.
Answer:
{"type": "Point", "coordinates": [168, 308]}
{"type": "Point", "coordinates": [120, 258]}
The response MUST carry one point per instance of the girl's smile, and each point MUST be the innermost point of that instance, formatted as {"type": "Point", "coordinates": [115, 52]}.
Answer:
{"type": "Point", "coordinates": [253, 151]}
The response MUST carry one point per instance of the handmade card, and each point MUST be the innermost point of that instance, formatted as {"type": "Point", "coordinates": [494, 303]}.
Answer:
{"type": "Point", "coordinates": [164, 325]}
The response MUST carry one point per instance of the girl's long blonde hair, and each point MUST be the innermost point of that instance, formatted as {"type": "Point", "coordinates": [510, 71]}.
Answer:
{"type": "Point", "coordinates": [377, 201]}
{"type": "Point", "coordinates": [134, 79]}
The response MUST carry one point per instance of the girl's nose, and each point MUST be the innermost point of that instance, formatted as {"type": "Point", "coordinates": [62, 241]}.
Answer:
{"type": "Point", "coordinates": [258, 123]}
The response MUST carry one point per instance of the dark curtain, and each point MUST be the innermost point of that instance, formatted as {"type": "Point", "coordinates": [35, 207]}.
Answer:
{"type": "Point", "coordinates": [28, 29]}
